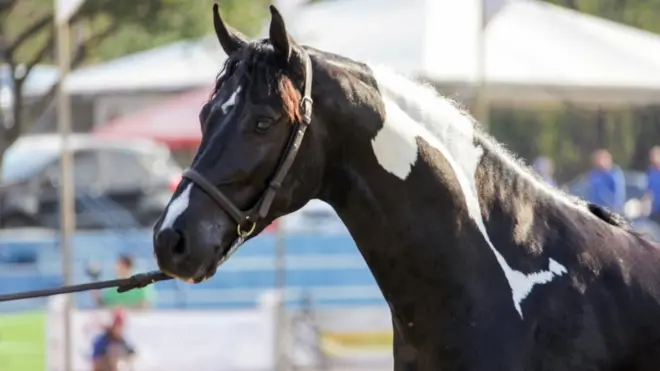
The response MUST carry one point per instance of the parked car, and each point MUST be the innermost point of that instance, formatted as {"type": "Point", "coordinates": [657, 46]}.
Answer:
{"type": "Point", "coordinates": [119, 183]}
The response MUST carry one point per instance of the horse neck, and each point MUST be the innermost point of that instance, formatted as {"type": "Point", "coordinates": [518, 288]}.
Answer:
{"type": "Point", "coordinates": [407, 192]}
{"type": "Point", "coordinates": [402, 219]}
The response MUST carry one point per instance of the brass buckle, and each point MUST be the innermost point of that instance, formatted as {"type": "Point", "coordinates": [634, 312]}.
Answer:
{"type": "Point", "coordinates": [246, 233]}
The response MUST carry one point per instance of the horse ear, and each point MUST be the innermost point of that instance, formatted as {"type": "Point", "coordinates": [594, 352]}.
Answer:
{"type": "Point", "coordinates": [230, 39]}
{"type": "Point", "coordinates": [278, 35]}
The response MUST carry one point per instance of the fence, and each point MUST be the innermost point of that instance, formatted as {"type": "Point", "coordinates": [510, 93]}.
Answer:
{"type": "Point", "coordinates": [327, 267]}
{"type": "Point", "coordinates": [357, 338]}
{"type": "Point", "coordinates": [335, 317]}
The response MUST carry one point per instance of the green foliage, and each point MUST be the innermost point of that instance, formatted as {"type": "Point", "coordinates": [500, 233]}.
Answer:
{"type": "Point", "coordinates": [569, 134]}
{"type": "Point", "coordinates": [136, 25]}
{"type": "Point", "coordinates": [158, 22]}
{"type": "Point", "coordinates": [644, 14]}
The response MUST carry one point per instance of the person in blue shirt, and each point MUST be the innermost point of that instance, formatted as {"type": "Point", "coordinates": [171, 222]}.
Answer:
{"type": "Point", "coordinates": [653, 185]}
{"type": "Point", "coordinates": [110, 347]}
{"type": "Point", "coordinates": [607, 185]}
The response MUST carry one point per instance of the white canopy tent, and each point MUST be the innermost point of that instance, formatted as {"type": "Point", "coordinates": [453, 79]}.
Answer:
{"type": "Point", "coordinates": [534, 52]}
{"type": "Point", "coordinates": [177, 66]}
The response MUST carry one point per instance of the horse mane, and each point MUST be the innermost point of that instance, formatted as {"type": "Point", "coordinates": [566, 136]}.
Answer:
{"type": "Point", "coordinates": [425, 94]}
{"type": "Point", "coordinates": [257, 64]}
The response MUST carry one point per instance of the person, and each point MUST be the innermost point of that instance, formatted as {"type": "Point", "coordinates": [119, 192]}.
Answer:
{"type": "Point", "coordinates": [110, 348]}
{"type": "Point", "coordinates": [545, 168]}
{"type": "Point", "coordinates": [653, 185]}
{"type": "Point", "coordinates": [139, 298]}
{"type": "Point", "coordinates": [606, 182]}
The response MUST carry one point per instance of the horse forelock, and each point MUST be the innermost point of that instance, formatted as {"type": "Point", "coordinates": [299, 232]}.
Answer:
{"type": "Point", "coordinates": [264, 74]}
{"type": "Point", "coordinates": [290, 99]}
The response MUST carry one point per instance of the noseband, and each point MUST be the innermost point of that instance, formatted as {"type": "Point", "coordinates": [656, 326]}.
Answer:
{"type": "Point", "coordinates": [246, 220]}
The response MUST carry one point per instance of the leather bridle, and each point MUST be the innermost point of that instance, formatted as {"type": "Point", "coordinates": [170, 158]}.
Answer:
{"type": "Point", "coordinates": [246, 220]}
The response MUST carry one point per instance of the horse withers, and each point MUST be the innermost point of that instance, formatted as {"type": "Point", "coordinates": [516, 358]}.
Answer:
{"type": "Point", "coordinates": [484, 266]}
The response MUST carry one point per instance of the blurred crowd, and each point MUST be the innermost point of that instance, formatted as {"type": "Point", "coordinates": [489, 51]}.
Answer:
{"type": "Point", "coordinates": [606, 183]}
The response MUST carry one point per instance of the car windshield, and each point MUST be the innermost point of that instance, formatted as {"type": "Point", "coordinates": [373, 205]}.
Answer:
{"type": "Point", "coordinates": [19, 165]}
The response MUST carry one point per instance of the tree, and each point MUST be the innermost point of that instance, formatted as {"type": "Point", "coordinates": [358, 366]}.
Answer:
{"type": "Point", "coordinates": [102, 29]}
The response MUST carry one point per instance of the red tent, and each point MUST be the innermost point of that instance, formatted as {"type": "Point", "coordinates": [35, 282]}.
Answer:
{"type": "Point", "coordinates": [174, 122]}
{"type": "Point", "coordinates": [272, 228]}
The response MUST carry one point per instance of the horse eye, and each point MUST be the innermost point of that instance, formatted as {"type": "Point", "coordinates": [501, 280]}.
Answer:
{"type": "Point", "coordinates": [264, 124]}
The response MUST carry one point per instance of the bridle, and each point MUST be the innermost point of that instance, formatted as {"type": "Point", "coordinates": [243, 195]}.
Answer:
{"type": "Point", "coordinates": [247, 220]}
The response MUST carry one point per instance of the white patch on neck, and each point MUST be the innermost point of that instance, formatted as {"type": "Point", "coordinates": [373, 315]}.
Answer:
{"type": "Point", "coordinates": [395, 144]}
{"type": "Point", "coordinates": [229, 103]}
{"type": "Point", "coordinates": [176, 208]}
{"type": "Point", "coordinates": [443, 126]}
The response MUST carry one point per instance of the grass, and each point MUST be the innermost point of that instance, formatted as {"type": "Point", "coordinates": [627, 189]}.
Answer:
{"type": "Point", "coordinates": [23, 342]}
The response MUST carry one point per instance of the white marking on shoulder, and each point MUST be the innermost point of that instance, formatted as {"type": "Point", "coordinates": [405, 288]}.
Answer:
{"type": "Point", "coordinates": [412, 111]}
{"type": "Point", "coordinates": [176, 207]}
{"type": "Point", "coordinates": [231, 101]}
{"type": "Point", "coordinates": [395, 144]}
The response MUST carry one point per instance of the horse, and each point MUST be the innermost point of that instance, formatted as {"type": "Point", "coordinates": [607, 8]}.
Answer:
{"type": "Point", "coordinates": [483, 266]}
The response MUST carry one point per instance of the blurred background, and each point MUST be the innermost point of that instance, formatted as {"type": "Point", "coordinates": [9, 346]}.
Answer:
{"type": "Point", "coordinates": [570, 86]}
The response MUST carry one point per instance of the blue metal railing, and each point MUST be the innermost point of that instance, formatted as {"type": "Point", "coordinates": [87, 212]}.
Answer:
{"type": "Point", "coordinates": [327, 267]}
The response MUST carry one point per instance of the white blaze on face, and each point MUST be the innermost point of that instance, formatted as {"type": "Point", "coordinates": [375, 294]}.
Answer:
{"type": "Point", "coordinates": [443, 126]}
{"type": "Point", "coordinates": [176, 207]}
{"type": "Point", "coordinates": [231, 101]}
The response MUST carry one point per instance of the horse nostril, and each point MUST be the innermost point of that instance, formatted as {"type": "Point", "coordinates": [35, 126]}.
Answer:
{"type": "Point", "coordinates": [179, 250]}
{"type": "Point", "coordinates": [173, 243]}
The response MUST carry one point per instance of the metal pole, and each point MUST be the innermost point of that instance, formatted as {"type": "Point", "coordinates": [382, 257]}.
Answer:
{"type": "Point", "coordinates": [481, 102]}
{"type": "Point", "coordinates": [67, 189]}
{"type": "Point", "coordinates": [281, 356]}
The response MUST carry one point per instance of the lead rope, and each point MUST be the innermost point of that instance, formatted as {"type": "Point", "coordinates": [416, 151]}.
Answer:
{"type": "Point", "coordinates": [124, 284]}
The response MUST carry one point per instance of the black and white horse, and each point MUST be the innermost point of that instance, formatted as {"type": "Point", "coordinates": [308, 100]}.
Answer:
{"type": "Point", "coordinates": [484, 266]}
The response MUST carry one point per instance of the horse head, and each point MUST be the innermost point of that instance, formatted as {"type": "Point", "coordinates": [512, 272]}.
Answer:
{"type": "Point", "coordinates": [259, 157]}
